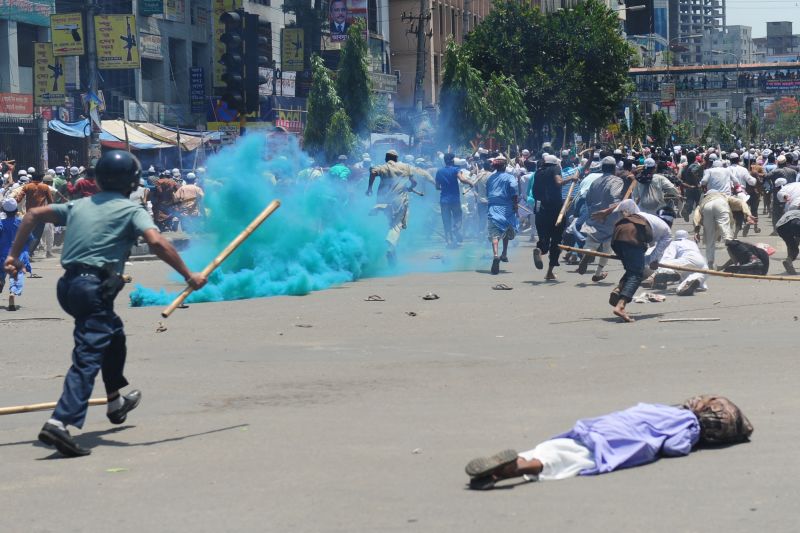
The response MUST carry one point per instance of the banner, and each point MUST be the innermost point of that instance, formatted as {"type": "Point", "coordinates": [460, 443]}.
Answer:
{"type": "Point", "coordinates": [292, 49]}
{"type": "Point", "coordinates": [342, 14]}
{"type": "Point", "coordinates": [151, 7]}
{"type": "Point", "coordinates": [197, 83]}
{"type": "Point", "coordinates": [36, 12]}
{"type": "Point", "coordinates": [175, 10]}
{"type": "Point", "coordinates": [16, 104]}
{"type": "Point", "coordinates": [48, 76]}
{"type": "Point", "coordinates": [150, 46]}
{"type": "Point", "coordinates": [67, 32]}
{"type": "Point", "coordinates": [783, 85]}
{"type": "Point", "coordinates": [220, 7]}
{"type": "Point", "coordinates": [117, 44]}
{"type": "Point", "coordinates": [667, 94]}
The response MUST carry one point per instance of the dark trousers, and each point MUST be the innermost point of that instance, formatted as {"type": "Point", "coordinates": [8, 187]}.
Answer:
{"type": "Point", "coordinates": [790, 233]}
{"type": "Point", "coordinates": [37, 236]}
{"type": "Point", "coordinates": [451, 220]}
{"type": "Point", "coordinates": [632, 257]}
{"type": "Point", "coordinates": [692, 201]}
{"type": "Point", "coordinates": [550, 235]}
{"type": "Point", "coordinates": [99, 344]}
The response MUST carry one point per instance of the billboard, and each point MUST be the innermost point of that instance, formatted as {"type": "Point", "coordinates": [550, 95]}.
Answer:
{"type": "Point", "coordinates": [36, 12]}
{"type": "Point", "coordinates": [48, 76]}
{"type": "Point", "coordinates": [16, 104]}
{"type": "Point", "coordinates": [342, 14]}
{"type": "Point", "coordinates": [219, 7]}
{"type": "Point", "coordinates": [67, 32]}
{"type": "Point", "coordinates": [151, 7]}
{"type": "Point", "coordinates": [117, 43]}
{"type": "Point", "coordinates": [174, 10]}
{"type": "Point", "coordinates": [292, 49]}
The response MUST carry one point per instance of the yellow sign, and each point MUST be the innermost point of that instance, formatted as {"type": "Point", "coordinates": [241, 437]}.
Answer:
{"type": "Point", "coordinates": [117, 43]}
{"type": "Point", "coordinates": [48, 76]}
{"type": "Point", "coordinates": [292, 49]}
{"type": "Point", "coordinates": [67, 32]}
{"type": "Point", "coordinates": [220, 7]}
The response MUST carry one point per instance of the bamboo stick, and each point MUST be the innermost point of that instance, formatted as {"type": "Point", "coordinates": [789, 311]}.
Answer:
{"type": "Point", "coordinates": [223, 255]}
{"type": "Point", "coordinates": [42, 407]}
{"type": "Point", "coordinates": [688, 268]}
{"type": "Point", "coordinates": [566, 204]}
{"type": "Point", "coordinates": [690, 320]}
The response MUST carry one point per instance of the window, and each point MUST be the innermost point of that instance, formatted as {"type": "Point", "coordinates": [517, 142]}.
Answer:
{"type": "Point", "coordinates": [372, 16]}
{"type": "Point", "coordinates": [441, 19]}
{"type": "Point", "coordinates": [26, 34]}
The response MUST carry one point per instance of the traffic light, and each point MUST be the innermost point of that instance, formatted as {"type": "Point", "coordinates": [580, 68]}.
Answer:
{"type": "Point", "coordinates": [257, 50]}
{"type": "Point", "coordinates": [233, 59]}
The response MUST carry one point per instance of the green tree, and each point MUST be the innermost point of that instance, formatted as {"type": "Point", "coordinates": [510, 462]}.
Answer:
{"type": "Point", "coordinates": [352, 79]}
{"type": "Point", "coordinates": [660, 127]}
{"type": "Point", "coordinates": [339, 138]}
{"type": "Point", "coordinates": [506, 115]}
{"type": "Point", "coordinates": [572, 65]}
{"type": "Point", "coordinates": [322, 103]}
{"type": "Point", "coordinates": [684, 131]}
{"type": "Point", "coordinates": [462, 104]}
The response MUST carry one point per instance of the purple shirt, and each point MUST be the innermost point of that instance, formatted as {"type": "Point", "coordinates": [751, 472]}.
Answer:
{"type": "Point", "coordinates": [636, 436]}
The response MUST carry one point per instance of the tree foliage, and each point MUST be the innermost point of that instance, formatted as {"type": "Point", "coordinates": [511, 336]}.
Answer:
{"type": "Point", "coordinates": [506, 119]}
{"type": "Point", "coordinates": [571, 65]}
{"type": "Point", "coordinates": [462, 103]}
{"type": "Point", "coordinates": [352, 78]}
{"type": "Point", "coordinates": [322, 103]}
{"type": "Point", "coordinates": [783, 118]}
{"type": "Point", "coordinates": [339, 138]}
{"type": "Point", "coordinates": [660, 127]}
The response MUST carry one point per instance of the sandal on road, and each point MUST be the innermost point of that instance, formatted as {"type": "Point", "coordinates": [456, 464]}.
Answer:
{"type": "Point", "coordinates": [431, 296]}
{"type": "Point", "coordinates": [488, 466]}
{"type": "Point", "coordinates": [374, 298]}
{"type": "Point", "coordinates": [502, 287]}
{"type": "Point", "coordinates": [599, 277]}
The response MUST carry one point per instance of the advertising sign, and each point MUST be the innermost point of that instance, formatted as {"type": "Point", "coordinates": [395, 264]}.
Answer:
{"type": "Point", "coordinates": [175, 10]}
{"type": "Point", "coordinates": [220, 7]}
{"type": "Point", "coordinates": [197, 89]}
{"type": "Point", "coordinates": [16, 104]}
{"type": "Point", "coordinates": [342, 14]}
{"type": "Point", "coordinates": [783, 85]}
{"type": "Point", "coordinates": [48, 76]}
{"type": "Point", "coordinates": [151, 7]}
{"type": "Point", "coordinates": [667, 94]}
{"type": "Point", "coordinates": [67, 32]}
{"type": "Point", "coordinates": [150, 46]}
{"type": "Point", "coordinates": [292, 49]}
{"type": "Point", "coordinates": [117, 43]}
{"type": "Point", "coordinates": [34, 12]}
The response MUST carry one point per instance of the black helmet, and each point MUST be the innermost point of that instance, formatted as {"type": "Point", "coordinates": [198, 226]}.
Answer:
{"type": "Point", "coordinates": [118, 171]}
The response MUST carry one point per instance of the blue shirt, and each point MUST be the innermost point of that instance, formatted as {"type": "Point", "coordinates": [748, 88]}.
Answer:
{"type": "Point", "coordinates": [501, 188]}
{"type": "Point", "coordinates": [567, 173]}
{"type": "Point", "coordinates": [636, 436]}
{"type": "Point", "coordinates": [447, 181]}
{"type": "Point", "coordinates": [8, 232]}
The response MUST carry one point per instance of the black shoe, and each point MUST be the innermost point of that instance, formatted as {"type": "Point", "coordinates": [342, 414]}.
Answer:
{"type": "Point", "coordinates": [495, 266]}
{"type": "Point", "coordinates": [537, 258]}
{"type": "Point", "coordinates": [504, 258]}
{"type": "Point", "coordinates": [129, 403]}
{"type": "Point", "coordinates": [52, 435]}
{"type": "Point", "coordinates": [583, 266]}
{"type": "Point", "coordinates": [690, 289]}
{"type": "Point", "coordinates": [613, 298]}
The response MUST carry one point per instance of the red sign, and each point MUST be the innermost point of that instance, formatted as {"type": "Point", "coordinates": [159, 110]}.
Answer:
{"type": "Point", "coordinates": [16, 104]}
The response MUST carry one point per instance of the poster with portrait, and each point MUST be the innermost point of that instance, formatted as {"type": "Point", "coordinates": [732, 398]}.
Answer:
{"type": "Point", "coordinates": [342, 14]}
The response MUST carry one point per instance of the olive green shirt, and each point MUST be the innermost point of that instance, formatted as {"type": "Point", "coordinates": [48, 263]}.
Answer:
{"type": "Point", "coordinates": [101, 229]}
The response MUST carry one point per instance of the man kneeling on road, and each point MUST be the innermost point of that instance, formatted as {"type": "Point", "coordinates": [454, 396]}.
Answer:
{"type": "Point", "coordinates": [102, 230]}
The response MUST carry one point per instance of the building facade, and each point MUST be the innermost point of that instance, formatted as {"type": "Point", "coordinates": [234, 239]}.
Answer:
{"type": "Point", "coordinates": [690, 22]}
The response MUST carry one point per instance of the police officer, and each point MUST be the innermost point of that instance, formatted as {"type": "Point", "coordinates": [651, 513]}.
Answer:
{"type": "Point", "coordinates": [102, 230]}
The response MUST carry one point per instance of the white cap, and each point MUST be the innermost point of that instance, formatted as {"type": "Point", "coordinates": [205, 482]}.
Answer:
{"type": "Point", "coordinates": [627, 206]}
{"type": "Point", "coordinates": [201, 170]}
{"type": "Point", "coordinates": [780, 182]}
{"type": "Point", "coordinates": [550, 159]}
{"type": "Point", "coordinates": [191, 176]}
{"type": "Point", "coordinates": [31, 170]}
{"type": "Point", "coordinates": [51, 172]}
{"type": "Point", "coordinates": [717, 163]}
{"type": "Point", "coordinates": [24, 179]}
{"type": "Point", "coordinates": [526, 152]}
{"type": "Point", "coordinates": [649, 163]}
{"type": "Point", "coordinates": [9, 204]}
{"type": "Point", "coordinates": [22, 173]}
{"type": "Point", "coordinates": [681, 234]}
{"type": "Point", "coordinates": [712, 157]}
{"type": "Point", "coordinates": [176, 172]}
{"type": "Point", "coordinates": [60, 169]}
{"type": "Point", "coordinates": [458, 161]}
{"type": "Point", "coordinates": [766, 152]}
{"type": "Point", "coordinates": [781, 159]}
{"type": "Point", "coordinates": [74, 171]}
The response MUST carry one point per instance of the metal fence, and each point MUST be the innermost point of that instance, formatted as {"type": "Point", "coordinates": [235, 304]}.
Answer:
{"type": "Point", "coordinates": [19, 141]}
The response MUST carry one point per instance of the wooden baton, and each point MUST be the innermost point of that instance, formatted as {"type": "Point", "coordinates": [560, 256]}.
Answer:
{"type": "Point", "coordinates": [42, 407]}
{"type": "Point", "coordinates": [223, 255]}
{"type": "Point", "coordinates": [566, 204]}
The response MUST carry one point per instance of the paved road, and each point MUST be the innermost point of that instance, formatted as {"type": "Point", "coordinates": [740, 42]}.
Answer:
{"type": "Point", "coordinates": [327, 413]}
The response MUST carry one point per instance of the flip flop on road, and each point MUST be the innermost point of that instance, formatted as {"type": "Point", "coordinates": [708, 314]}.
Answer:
{"type": "Point", "coordinates": [431, 296]}
{"type": "Point", "coordinates": [374, 298]}
{"type": "Point", "coordinates": [487, 466]}
{"type": "Point", "coordinates": [502, 287]}
{"type": "Point", "coordinates": [599, 277]}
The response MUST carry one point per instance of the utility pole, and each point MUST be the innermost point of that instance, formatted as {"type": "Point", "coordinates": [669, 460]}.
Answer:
{"type": "Point", "coordinates": [91, 61]}
{"type": "Point", "coordinates": [465, 16]}
{"type": "Point", "coordinates": [419, 24]}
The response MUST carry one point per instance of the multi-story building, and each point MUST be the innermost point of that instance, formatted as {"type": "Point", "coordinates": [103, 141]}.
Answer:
{"type": "Point", "coordinates": [689, 22]}
{"type": "Point", "coordinates": [732, 45]}
{"type": "Point", "coordinates": [441, 20]}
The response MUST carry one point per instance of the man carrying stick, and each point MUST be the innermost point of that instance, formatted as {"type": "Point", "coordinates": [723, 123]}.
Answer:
{"type": "Point", "coordinates": [603, 196]}
{"type": "Point", "coordinates": [103, 228]}
{"type": "Point", "coordinates": [547, 193]}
